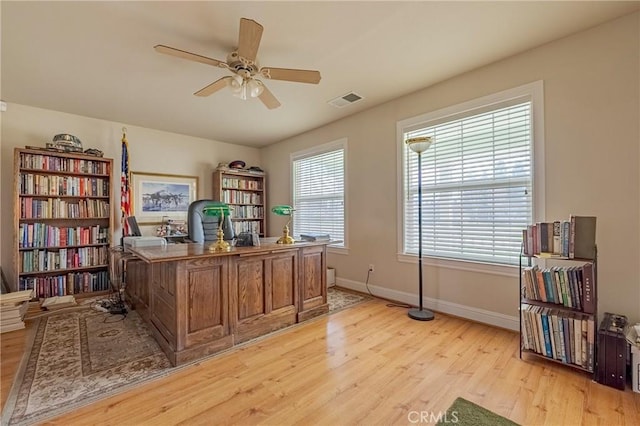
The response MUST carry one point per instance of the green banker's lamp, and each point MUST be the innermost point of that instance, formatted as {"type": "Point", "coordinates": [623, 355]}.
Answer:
{"type": "Point", "coordinates": [218, 209]}
{"type": "Point", "coordinates": [284, 210]}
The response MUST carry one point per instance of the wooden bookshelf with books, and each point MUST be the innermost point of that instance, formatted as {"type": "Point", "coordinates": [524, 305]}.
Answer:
{"type": "Point", "coordinates": [245, 193]}
{"type": "Point", "coordinates": [63, 222]}
{"type": "Point", "coordinates": [558, 292]}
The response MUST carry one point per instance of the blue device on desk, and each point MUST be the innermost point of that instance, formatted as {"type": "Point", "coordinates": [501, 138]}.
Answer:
{"type": "Point", "coordinates": [203, 227]}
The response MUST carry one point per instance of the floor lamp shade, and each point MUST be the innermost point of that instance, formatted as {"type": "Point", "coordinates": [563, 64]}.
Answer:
{"type": "Point", "coordinates": [419, 145]}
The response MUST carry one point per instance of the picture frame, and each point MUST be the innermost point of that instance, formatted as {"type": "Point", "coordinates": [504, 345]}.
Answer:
{"type": "Point", "coordinates": [157, 196]}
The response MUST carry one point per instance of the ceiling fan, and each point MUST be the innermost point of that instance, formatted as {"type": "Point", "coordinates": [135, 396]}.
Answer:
{"type": "Point", "coordinates": [244, 66]}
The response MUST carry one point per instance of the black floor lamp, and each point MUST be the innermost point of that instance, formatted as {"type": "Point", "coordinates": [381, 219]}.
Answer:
{"type": "Point", "coordinates": [419, 145]}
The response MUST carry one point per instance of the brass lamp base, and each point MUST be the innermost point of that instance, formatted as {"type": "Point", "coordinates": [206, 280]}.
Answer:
{"type": "Point", "coordinates": [286, 238]}
{"type": "Point", "coordinates": [220, 244]}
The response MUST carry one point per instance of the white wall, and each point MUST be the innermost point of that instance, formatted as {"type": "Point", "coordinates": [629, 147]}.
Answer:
{"type": "Point", "coordinates": [592, 158]}
{"type": "Point", "coordinates": [150, 151]}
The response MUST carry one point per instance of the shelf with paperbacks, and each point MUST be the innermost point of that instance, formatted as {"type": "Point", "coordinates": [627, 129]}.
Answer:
{"type": "Point", "coordinates": [558, 309]}
{"type": "Point", "coordinates": [245, 193]}
{"type": "Point", "coordinates": [63, 222]}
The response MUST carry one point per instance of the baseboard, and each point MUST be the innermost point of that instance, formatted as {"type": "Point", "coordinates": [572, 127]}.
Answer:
{"type": "Point", "coordinates": [468, 312]}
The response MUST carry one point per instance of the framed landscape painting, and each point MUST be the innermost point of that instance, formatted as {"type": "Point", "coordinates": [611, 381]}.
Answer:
{"type": "Point", "coordinates": [155, 196]}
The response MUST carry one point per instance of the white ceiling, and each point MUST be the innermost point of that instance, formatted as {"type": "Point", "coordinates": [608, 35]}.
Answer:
{"type": "Point", "coordinates": [96, 59]}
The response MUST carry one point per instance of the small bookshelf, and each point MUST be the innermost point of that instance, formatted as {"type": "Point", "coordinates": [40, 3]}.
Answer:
{"type": "Point", "coordinates": [558, 293]}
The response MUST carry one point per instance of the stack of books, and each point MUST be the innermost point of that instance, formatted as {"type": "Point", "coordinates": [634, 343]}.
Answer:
{"type": "Point", "coordinates": [13, 306]}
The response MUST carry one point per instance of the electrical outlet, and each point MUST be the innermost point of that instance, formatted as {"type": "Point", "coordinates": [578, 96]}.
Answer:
{"type": "Point", "coordinates": [371, 267]}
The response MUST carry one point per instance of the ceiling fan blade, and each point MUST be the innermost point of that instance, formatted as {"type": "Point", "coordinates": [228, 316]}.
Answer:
{"type": "Point", "coordinates": [268, 99]}
{"type": "Point", "coordinates": [249, 39]}
{"type": "Point", "coordinates": [160, 48]}
{"type": "Point", "coordinates": [214, 87]}
{"type": "Point", "coordinates": [286, 74]}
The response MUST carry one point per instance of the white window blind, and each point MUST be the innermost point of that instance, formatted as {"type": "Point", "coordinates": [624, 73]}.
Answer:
{"type": "Point", "coordinates": [476, 185]}
{"type": "Point", "coordinates": [318, 193]}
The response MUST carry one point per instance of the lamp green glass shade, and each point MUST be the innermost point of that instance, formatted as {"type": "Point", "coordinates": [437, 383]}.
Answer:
{"type": "Point", "coordinates": [282, 210]}
{"type": "Point", "coordinates": [216, 209]}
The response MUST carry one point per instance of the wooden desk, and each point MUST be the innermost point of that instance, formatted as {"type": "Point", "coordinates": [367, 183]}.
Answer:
{"type": "Point", "coordinates": [198, 303]}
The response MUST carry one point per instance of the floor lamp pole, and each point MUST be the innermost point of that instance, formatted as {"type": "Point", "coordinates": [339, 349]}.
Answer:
{"type": "Point", "coordinates": [420, 313]}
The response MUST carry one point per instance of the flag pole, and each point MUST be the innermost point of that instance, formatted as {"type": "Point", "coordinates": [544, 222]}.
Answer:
{"type": "Point", "coordinates": [125, 202]}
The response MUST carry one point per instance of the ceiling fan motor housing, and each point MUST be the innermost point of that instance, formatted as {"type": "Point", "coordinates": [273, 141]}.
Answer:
{"type": "Point", "coordinates": [242, 66]}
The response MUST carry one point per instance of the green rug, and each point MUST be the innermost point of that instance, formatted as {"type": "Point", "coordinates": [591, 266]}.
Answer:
{"type": "Point", "coordinates": [466, 413]}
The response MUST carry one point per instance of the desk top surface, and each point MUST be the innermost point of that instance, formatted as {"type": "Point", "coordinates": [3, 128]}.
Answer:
{"type": "Point", "coordinates": [194, 250]}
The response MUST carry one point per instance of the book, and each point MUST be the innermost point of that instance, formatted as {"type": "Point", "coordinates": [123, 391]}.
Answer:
{"type": "Point", "coordinates": [557, 241]}
{"type": "Point", "coordinates": [58, 302]}
{"type": "Point", "coordinates": [315, 237]}
{"type": "Point", "coordinates": [16, 297]}
{"type": "Point", "coordinates": [18, 311]}
{"type": "Point", "coordinates": [588, 296]}
{"type": "Point", "coordinates": [582, 237]}
{"type": "Point", "coordinates": [11, 327]}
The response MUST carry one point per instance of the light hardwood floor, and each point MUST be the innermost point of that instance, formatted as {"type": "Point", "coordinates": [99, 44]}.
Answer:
{"type": "Point", "coordinates": [366, 365]}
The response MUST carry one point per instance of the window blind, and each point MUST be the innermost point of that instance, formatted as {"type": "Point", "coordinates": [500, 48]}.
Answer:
{"type": "Point", "coordinates": [318, 194]}
{"type": "Point", "coordinates": [476, 186]}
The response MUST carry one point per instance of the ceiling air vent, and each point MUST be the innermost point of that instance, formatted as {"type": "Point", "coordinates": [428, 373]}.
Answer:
{"type": "Point", "coordinates": [345, 100]}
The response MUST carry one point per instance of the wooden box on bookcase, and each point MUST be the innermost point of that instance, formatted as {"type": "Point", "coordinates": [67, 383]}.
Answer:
{"type": "Point", "coordinates": [558, 308]}
{"type": "Point", "coordinates": [62, 222]}
{"type": "Point", "coordinates": [245, 193]}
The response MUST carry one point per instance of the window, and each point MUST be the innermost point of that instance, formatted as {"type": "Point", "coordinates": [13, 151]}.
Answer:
{"type": "Point", "coordinates": [318, 190]}
{"type": "Point", "coordinates": [477, 179]}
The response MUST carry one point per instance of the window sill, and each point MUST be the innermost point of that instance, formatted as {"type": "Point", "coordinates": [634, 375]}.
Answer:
{"type": "Point", "coordinates": [462, 265]}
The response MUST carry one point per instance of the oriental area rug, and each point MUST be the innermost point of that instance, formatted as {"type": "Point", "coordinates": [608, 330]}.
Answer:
{"type": "Point", "coordinates": [79, 356]}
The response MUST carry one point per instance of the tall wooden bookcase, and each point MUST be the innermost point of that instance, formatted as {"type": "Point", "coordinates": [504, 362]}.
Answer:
{"type": "Point", "coordinates": [245, 193]}
{"type": "Point", "coordinates": [559, 308]}
{"type": "Point", "coordinates": [63, 222]}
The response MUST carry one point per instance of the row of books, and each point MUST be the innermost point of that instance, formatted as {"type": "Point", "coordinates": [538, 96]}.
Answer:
{"type": "Point", "coordinates": [573, 238]}
{"type": "Point", "coordinates": [568, 337]}
{"type": "Point", "coordinates": [72, 186]}
{"type": "Point", "coordinates": [248, 212]}
{"type": "Point", "coordinates": [236, 183]}
{"type": "Point", "coordinates": [61, 164]}
{"type": "Point", "coordinates": [13, 307]}
{"type": "Point", "coordinates": [53, 260]}
{"type": "Point", "coordinates": [31, 208]}
{"type": "Point", "coordinates": [572, 287]}
{"type": "Point", "coordinates": [253, 226]}
{"type": "Point", "coordinates": [66, 284]}
{"type": "Point", "coordinates": [36, 235]}
{"type": "Point", "coordinates": [232, 196]}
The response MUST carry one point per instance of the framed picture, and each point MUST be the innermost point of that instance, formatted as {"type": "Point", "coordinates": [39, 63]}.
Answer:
{"type": "Point", "coordinates": [155, 196]}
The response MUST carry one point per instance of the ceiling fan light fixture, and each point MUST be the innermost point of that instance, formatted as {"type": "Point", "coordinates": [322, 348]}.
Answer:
{"type": "Point", "coordinates": [236, 82]}
{"type": "Point", "coordinates": [255, 87]}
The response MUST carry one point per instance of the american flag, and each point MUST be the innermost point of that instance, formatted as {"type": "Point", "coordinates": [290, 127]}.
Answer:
{"type": "Point", "coordinates": [125, 203]}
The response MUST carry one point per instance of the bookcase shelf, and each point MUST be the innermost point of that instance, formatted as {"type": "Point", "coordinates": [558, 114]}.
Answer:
{"type": "Point", "coordinates": [558, 309]}
{"type": "Point", "coordinates": [245, 193]}
{"type": "Point", "coordinates": [62, 222]}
